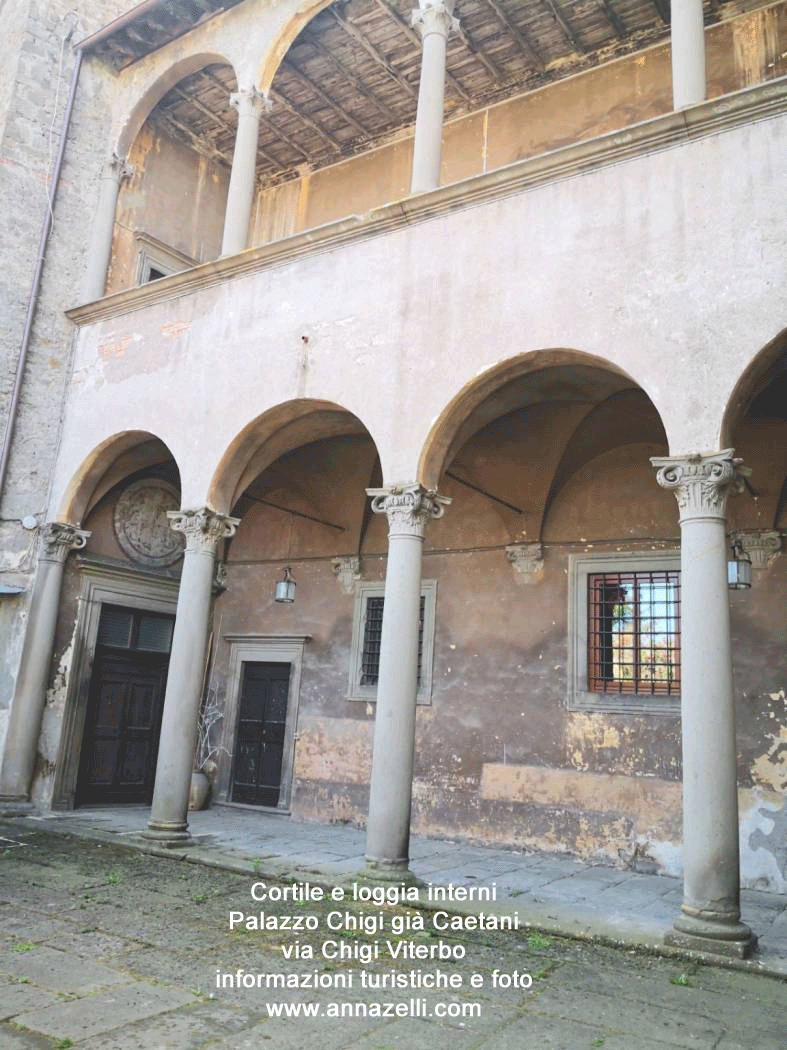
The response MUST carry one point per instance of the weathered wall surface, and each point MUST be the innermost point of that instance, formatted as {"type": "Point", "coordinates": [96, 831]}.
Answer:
{"type": "Point", "coordinates": [174, 195]}
{"type": "Point", "coordinates": [38, 39]}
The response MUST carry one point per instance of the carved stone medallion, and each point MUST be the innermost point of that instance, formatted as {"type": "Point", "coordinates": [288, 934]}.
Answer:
{"type": "Point", "coordinates": [142, 526]}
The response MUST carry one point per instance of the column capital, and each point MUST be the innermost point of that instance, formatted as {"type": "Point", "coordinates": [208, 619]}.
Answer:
{"type": "Point", "coordinates": [203, 528]}
{"type": "Point", "coordinates": [249, 101]}
{"type": "Point", "coordinates": [407, 507]}
{"type": "Point", "coordinates": [702, 483]}
{"type": "Point", "coordinates": [117, 168]}
{"type": "Point", "coordinates": [434, 17]}
{"type": "Point", "coordinates": [763, 545]}
{"type": "Point", "coordinates": [58, 539]}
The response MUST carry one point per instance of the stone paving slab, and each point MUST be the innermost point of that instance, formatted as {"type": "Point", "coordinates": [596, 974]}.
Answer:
{"type": "Point", "coordinates": [58, 971]}
{"type": "Point", "coordinates": [88, 1017]}
{"type": "Point", "coordinates": [16, 998]}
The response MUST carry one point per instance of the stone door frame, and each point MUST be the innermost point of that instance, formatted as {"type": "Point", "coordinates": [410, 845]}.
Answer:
{"type": "Point", "coordinates": [102, 584]}
{"type": "Point", "coordinates": [268, 649]}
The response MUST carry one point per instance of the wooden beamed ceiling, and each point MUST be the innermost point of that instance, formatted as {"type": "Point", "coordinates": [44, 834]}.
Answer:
{"type": "Point", "coordinates": [350, 79]}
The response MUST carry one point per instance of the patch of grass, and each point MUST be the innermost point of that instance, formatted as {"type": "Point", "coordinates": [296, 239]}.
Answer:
{"type": "Point", "coordinates": [21, 980]}
{"type": "Point", "coordinates": [598, 1042]}
{"type": "Point", "coordinates": [538, 940]}
{"type": "Point", "coordinates": [200, 898]}
{"type": "Point", "coordinates": [114, 878]}
{"type": "Point", "coordinates": [256, 865]}
{"type": "Point", "coordinates": [22, 946]}
{"type": "Point", "coordinates": [64, 1044]}
{"type": "Point", "coordinates": [515, 893]}
{"type": "Point", "coordinates": [681, 980]}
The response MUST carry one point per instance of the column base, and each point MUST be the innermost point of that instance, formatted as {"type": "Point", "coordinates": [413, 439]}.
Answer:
{"type": "Point", "coordinates": [168, 834]}
{"type": "Point", "coordinates": [15, 805]}
{"type": "Point", "coordinates": [388, 871]}
{"type": "Point", "coordinates": [729, 937]}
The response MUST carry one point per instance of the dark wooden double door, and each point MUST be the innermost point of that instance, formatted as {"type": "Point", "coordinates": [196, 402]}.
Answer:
{"type": "Point", "coordinates": [126, 699]}
{"type": "Point", "coordinates": [262, 720]}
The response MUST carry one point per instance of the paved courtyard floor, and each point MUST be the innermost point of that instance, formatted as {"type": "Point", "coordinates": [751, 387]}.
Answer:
{"type": "Point", "coordinates": [551, 892]}
{"type": "Point", "coordinates": [111, 948]}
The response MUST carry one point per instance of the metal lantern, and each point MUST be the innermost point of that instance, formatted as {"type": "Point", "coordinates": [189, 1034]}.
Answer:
{"type": "Point", "coordinates": [285, 588]}
{"type": "Point", "coordinates": [739, 568]}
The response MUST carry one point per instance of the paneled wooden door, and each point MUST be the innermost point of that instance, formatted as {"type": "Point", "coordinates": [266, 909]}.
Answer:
{"type": "Point", "coordinates": [123, 721]}
{"type": "Point", "coordinates": [262, 721]}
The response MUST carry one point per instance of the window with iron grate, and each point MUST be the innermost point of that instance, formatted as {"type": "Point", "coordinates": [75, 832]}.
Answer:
{"type": "Point", "coordinates": [624, 632]}
{"type": "Point", "coordinates": [367, 637]}
{"type": "Point", "coordinates": [634, 632]}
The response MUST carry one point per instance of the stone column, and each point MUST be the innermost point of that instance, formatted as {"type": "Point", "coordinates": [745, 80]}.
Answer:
{"type": "Point", "coordinates": [434, 21]}
{"type": "Point", "coordinates": [711, 899]}
{"type": "Point", "coordinates": [100, 250]}
{"type": "Point", "coordinates": [408, 508]}
{"type": "Point", "coordinates": [688, 53]}
{"type": "Point", "coordinates": [27, 709]}
{"type": "Point", "coordinates": [250, 104]}
{"type": "Point", "coordinates": [203, 530]}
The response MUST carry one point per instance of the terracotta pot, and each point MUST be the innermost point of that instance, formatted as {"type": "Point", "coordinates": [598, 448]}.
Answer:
{"type": "Point", "coordinates": [200, 790]}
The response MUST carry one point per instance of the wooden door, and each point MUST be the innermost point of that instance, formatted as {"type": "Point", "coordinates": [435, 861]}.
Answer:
{"type": "Point", "coordinates": [259, 753]}
{"type": "Point", "coordinates": [123, 722]}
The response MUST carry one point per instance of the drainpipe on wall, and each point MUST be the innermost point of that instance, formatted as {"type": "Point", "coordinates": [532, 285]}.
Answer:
{"type": "Point", "coordinates": [33, 299]}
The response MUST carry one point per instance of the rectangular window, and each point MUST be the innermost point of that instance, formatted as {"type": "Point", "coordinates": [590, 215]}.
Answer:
{"type": "Point", "coordinates": [624, 632]}
{"type": "Point", "coordinates": [372, 635]}
{"type": "Point", "coordinates": [634, 632]}
{"type": "Point", "coordinates": [367, 636]}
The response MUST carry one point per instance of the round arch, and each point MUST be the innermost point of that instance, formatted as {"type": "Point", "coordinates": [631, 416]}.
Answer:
{"type": "Point", "coordinates": [450, 430]}
{"type": "Point", "coordinates": [131, 125]}
{"type": "Point", "coordinates": [770, 361]}
{"type": "Point", "coordinates": [269, 66]}
{"type": "Point", "coordinates": [272, 434]}
{"type": "Point", "coordinates": [114, 459]}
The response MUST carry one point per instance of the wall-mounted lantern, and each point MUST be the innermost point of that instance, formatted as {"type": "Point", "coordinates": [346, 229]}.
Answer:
{"type": "Point", "coordinates": [285, 588]}
{"type": "Point", "coordinates": [739, 568]}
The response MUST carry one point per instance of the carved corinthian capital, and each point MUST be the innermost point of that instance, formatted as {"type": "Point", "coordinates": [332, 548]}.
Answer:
{"type": "Point", "coordinates": [763, 546]}
{"type": "Point", "coordinates": [202, 528]}
{"type": "Point", "coordinates": [250, 101]}
{"type": "Point", "coordinates": [702, 483]}
{"type": "Point", "coordinates": [58, 539]}
{"type": "Point", "coordinates": [408, 507]}
{"type": "Point", "coordinates": [434, 18]}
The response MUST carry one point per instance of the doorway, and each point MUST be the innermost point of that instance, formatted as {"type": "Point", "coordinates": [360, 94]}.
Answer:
{"type": "Point", "coordinates": [262, 721]}
{"type": "Point", "coordinates": [125, 704]}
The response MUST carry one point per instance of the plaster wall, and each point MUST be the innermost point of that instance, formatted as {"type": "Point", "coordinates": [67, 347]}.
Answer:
{"type": "Point", "coordinates": [176, 196]}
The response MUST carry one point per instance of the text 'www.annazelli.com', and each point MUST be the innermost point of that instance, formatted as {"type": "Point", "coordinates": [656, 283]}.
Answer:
{"type": "Point", "coordinates": [406, 1008]}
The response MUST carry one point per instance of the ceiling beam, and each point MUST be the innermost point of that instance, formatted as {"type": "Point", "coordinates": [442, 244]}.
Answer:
{"type": "Point", "coordinates": [318, 91]}
{"type": "Point", "coordinates": [478, 52]}
{"type": "Point", "coordinates": [414, 38]}
{"type": "Point", "coordinates": [613, 18]}
{"type": "Point", "coordinates": [371, 50]}
{"type": "Point", "coordinates": [276, 96]}
{"type": "Point", "coordinates": [520, 37]}
{"type": "Point", "coordinates": [359, 86]}
{"type": "Point", "coordinates": [568, 32]}
{"type": "Point", "coordinates": [200, 145]}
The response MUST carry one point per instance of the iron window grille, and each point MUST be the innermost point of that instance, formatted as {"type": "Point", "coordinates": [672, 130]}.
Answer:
{"type": "Point", "coordinates": [634, 632]}
{"type": "Point", "coordinates": [372, 637]}
{"type": "Point", "coordinates": [623, 638]}
{"type": "Point", "coordinates": [367, 637]}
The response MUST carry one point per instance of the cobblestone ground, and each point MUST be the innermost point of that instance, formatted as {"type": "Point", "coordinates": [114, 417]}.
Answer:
{"type": "Point", "coordinates": [111, 949]}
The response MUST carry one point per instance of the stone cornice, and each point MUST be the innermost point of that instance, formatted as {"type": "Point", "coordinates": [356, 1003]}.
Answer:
{"type": "Point", "coordinates": [708, 118]}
